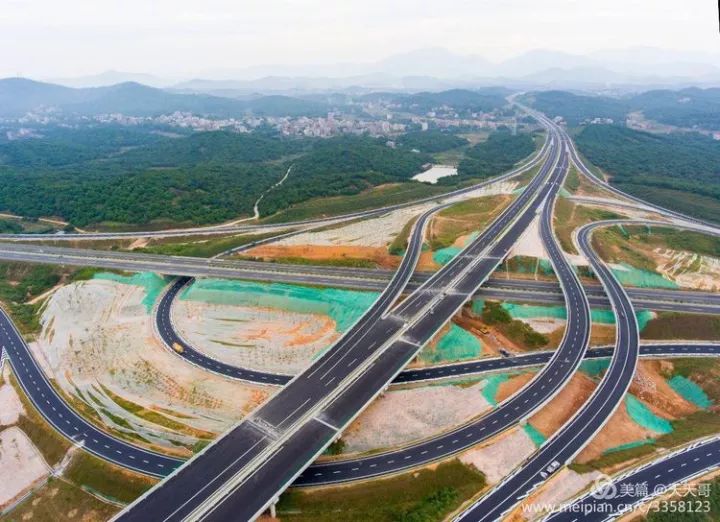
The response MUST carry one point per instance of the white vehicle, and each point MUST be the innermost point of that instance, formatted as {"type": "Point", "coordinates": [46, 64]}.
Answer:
{"type": "Point", "coordinates": [554, 465]}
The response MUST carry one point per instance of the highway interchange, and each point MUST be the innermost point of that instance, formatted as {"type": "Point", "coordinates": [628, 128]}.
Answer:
{"type": "Point", "coordinates": [282, 436]}
{"type": "Point", "coordinates": [275, 444]}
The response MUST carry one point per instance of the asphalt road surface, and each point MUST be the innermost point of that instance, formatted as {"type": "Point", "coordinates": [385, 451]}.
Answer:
{"type": "Point", "coordinates": [69, 423]}
{"type": "Point", "coordinates": [244, 470]}
{"type": "Point", "coordinates": [593, 415]}
{"type": "Point", "coordinates": [636, 487]}
{"type": "Point", "coordinates": [657, 300]}
{"type": "Point", "coordinates": [60, 415]}
{"type": "Point", "coordinates": [561, 365]}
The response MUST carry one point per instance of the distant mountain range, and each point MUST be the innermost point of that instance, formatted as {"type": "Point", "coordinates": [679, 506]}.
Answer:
{"type": "Point", "coordinates": [438, 68]}
{"type": "Point", "coordinates": [20, 95]}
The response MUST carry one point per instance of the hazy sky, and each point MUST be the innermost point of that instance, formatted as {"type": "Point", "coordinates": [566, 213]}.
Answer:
{"type": "Point", "coordinates": [50, 38]}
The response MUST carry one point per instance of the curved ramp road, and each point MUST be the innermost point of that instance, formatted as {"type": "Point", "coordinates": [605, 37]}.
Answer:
{"type": "Point", "coordinates": [463, 369]}
{"type": "Point", "coordinates": [61, 416]}
{"type": "Point", "coordinates": [562, 364]}
{"type": "Point", "coordinates": [69, 423]}
{"type": "Point", "coordinates": [240, 474]}
{"type": "Point", "coordinates": [592, 416]}
{"type": "Point", "coordinates": [622, 494]}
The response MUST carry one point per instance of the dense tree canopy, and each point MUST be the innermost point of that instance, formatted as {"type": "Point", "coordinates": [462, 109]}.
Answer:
{"type": "Point", "coordinates": [650, 165]}
{"type": "Point", "coordinates": [498, 153]}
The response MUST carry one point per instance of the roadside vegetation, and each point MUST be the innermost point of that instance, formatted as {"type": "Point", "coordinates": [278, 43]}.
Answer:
{"type": "Point", "coordinates": [202, 247]}
{"type": "Point", "coordinates": [497, 154]}
{"type": "Point", "coordinates": [51, 445]}
{"type": "Point", "coordinates": [21, 284]}
{"type": "Point", "coordinates": [673, 170]}
{"type": "Point", "coordinates": [61, 501]}
{"type": "Point", "coordinates": [422, 496]}
{"type": "Point", "coordinates": [704, 372]}
{"type": "Point", "coordinates": [398, 245]}
{"type": "Point", "coordinates": [569, 216]}
{"type": "Point", "coordinates": [106, 480]}
{"type": "Point", "coordinates": [678, 325]}
{"type": "Point", "coordinates": [642, 247]}
{"type": "Point", "coordinates": [463, 218]}
{"type": "Point", "coordinates": [517, 331]}
{"type": "Point", "coordinates": [376, 197]}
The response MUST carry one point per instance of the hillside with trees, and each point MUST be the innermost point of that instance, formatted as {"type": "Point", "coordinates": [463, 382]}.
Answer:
{"type": "Point", "coordinates": [679, 170]}
{"type": "Point", "coordinates": [343, 166]}
{"type": "Point", "coordinates": [497, 154]}
{"type": "Point", "coordinates": [126, 178]}
{"type": "Point", "coordinates": [686, 108]}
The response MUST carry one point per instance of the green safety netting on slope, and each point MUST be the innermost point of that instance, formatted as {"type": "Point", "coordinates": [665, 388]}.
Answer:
{"type": "Point", "coordinates": [594, 367]}
{"type": "Point", "coordinates": [690, 391]}
{"type": "Point", "coordinates": [456, 345]}
{"type": "Point", "coordinates": [151, 282]}
{"type": "Point", "coordinates": [535, 436]}
{"type": "Point", "coordinates": [631, 276]}
{"type": "Point", "coordinates": [526, 311]}
{"type": "Point", "coordinates": [629, 445]}
{"type": "Point", "coordinates": [491, 387]}
{"type": "Point", "coordinates": [643, 416]}
{"type": "Point", "coordinates": [345, 307]}
{"type": "Point", "coordinates": [443, 256]}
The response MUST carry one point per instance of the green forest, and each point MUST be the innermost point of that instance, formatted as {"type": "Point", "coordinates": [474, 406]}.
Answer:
{"type": "Point", "coordinates": [680, 170]}
{"type": "Point", "coordinates": [119, 176]}
{"type": "Point", "coordinates": [496, 154]}
{"type": "Point", "coordinates": [343, 166]}
{"type": "Point", "coordinates": [687, 108]}
{"type": "Point", "coordinates": [116, 177]}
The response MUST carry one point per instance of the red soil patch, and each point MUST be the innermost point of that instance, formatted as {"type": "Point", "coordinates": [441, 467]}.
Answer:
{"type": "Point", "coordinates": [557, 412]}
{"type": "Point", "coordinates": [378, 255]}
{"type": "Point", "coordinates": [650, 386]}
{"type": "Point", "coordinates": [512, 385]}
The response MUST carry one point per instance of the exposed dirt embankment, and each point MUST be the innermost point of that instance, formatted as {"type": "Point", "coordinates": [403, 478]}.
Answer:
{"type": "Point", "coordinates": [98, 344]}
{"type": "Point", "coordinates": [341, 255]}
{"type": "Point", "coordinates": [401, 416]}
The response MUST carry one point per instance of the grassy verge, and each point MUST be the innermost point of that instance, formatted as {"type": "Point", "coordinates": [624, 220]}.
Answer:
{"type": "Point", "coordinates": [704, 372]}
{"type": "Point", "coordinates": [61, 501]}
{"type": "Point", "coordinates": [569, 216]}
{"type": "Point", "coordinates": [205, 247]}
{"type": "Point", "coordinates": [400, 243]}
{"type": "Point", "coordinates": [675, 325]}
{"type": "Point", "coordinates": [463, 218]}
{"type": "Point", "coordinates": [613, 459]}
{"type": "Point", "coordinates": [425, 495]}
{"type": "Point", "coordinates": [695, 426]}
{"type": "Point", "coordinates": [105, 479]}
{"type": "Point", "coordinates": [156, 417]}
{"type": "Point", "coordinates": [373, 198]}
{"type": "Point", "coordinates": [46, 439]}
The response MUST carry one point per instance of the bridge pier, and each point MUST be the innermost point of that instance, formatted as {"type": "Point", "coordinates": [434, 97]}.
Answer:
{"type": "Point", "coordinates": [273, 511]}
